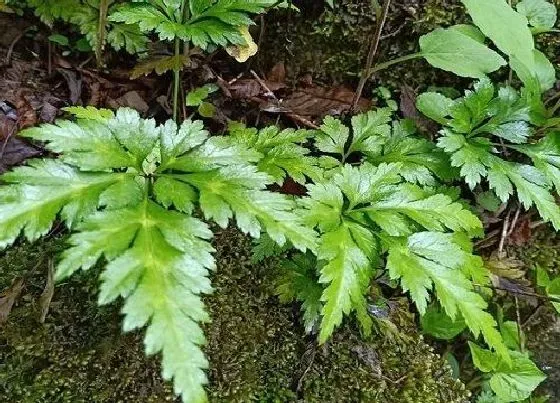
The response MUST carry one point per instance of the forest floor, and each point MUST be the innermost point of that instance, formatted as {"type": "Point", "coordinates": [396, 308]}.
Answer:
{"type": "Point", "coordinates": [57, 345]}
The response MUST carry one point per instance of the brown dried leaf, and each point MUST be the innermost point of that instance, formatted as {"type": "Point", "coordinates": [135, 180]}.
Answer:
{"type": "Point", "coordinates": [277, 73]}
{"type": "Point", "coordinates": [25, 112]}
{"type": "Point", "coordinates": [8, 298]}
{"type": "Point", "coordinates": [12, 150]}
{"type": "Point", "coordinates": [247, 88]}
{"type": "Point", "coordinates": [317, 102]}
{"type": "Point", "coordinates": [74, 84]}
{"type": "Point", "coordinates": [131, 99]}
{"type": "Point", "coordinates": [522, 232]}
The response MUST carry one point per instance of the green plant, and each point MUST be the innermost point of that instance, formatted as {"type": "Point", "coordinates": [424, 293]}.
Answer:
{"type": "Point", "coordinates": [91, 19]}
{"type": "Point", "coordinates": [461, 49]}
{"type": "Point", "coordinates": [114, 185]}
{"type": "Point", "coordinates": [198, 98]}
{"type": "Point", "coordinates": [470, 126]}
{"type": "Point", "coordinates": [510, 382]}
{"type": "Point", "coordinates": [200, 22]}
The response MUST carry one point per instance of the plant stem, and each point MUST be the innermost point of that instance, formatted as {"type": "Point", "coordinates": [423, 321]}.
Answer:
{"type": "Point", "coordinates": [184, 15]}
{"type": "Point", "coordinates": [381, 19]}
{"type": "Point", "coordinates": [385, 65]}
{"type": "Point", "coordinates": [101, 32]}
{"type": "Point", "coordinates": [176, 80]}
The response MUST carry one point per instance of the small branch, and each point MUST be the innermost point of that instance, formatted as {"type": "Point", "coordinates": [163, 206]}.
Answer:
{"type": "Point", "coordinates": [381, 20]}
{"type": "Point", "coordinates": [268, 92]}
{"type": "Point", "coordinates": [505, 229]}
{"type": "Point", "coordinates": [102, 32]}
{"type": "Point", "coordinates": [524, 293]}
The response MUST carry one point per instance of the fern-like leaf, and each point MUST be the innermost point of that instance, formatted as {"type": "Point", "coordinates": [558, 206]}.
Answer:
{"type": "Point", "coordinates": [117, 178]}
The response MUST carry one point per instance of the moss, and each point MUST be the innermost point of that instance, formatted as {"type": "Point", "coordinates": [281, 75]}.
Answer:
{"type": "Point", "coordinates": [543, 324]}
{"type": "Point", "coordinates": [257, 348]}
{"type": "Point", "coordinates": [332, 44]}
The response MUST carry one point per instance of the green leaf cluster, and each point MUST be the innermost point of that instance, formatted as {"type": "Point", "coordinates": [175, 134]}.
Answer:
{"type": "Point", "coordinates": [131, 190]}
{"type": "Point", "coordinates": [205, 22]}
{"type": "Point", "coordinates": [380, 216]}
{"type": "Point", "coordinates": [480, 128]}
{"type": "Point", "coordinates": [511, 382]}
{"type": "Point", "coordinates": [86, 16]}
{"type": "Point", "coordinates": [461, 48]}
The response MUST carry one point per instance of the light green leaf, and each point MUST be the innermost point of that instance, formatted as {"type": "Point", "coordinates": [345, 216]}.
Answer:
{"type": "Point", "coordinates": [484, 360]}
{"type": "Point", "coordinates": [515, 381]}
{"type": "Point", "coordinates": [346, 275]}
{"type": "Point", "coordinates": [435, 106]}
{"type": "Point", "coordinates": [42, 190]}
{"type": "Point", "coordinates": [540, 13]}
{"type": "Point", "coordinates": [514, 38]}
{"type": "Point", "coordinates": [429, 258]}
{"type": "Point", "coordinates": [451, 50]}
{"type": "Point", "coordinates": [553, 290]}
{"type": "Point", "coordinates": [439, 325]}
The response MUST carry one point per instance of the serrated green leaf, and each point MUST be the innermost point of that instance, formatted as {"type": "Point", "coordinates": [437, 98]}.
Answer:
{"type": "Point", "coordinates": [90, 145]}
{"type": "Point", "coordinates": [429, 258]}
{"type": "Point", "coordinates": [298, 281]}
{"type": "Point", "coordinates": [546, 157]}
{"type": "Point", "coordinates": [451, 50]}
{"type": "Point", "coordinates": [513, 38]}
{"type": "Point", "coordinates": [435, 106]}
{"type": "Point", "coordinates": [333, 136]}
{"type": "Point", "coordinates": [281, 150]}
{"type": "Point", "coordinates": [41, 191]}
{"type": "Point", "coordinates": [89, 112]}
{"type": "Point", "coordinates": [516, 380]}
{"type": "Point", "coordinates": [484, 360]}
{"type": "Point", "coordinates": [171, 192]}
{"type": "Point", "coordinates": [346, 276]}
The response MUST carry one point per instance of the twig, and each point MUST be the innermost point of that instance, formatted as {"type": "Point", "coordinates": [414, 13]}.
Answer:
{"type": "Point", "coordinates": [514, 222]}
{"type": "Point", "coordinates": [13, 44]}
{"type": "Point", "coordinates": [519, 332]}
{"type": "Point", "coordinates": [504, 234]}
{"type": "Point", "coordinates": [382, 18]}
{"type": "Point", "coordinates": [268, 92]}
{"type": "Point", "coordinates": [5, 143]}
{"type": "Point", "coordinates": [524, 293]}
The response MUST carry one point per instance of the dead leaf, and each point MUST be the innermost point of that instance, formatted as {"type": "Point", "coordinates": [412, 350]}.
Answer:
{"type": "Point", "coordinates": [277, 73]}
{"type": "Point", "coordinates": [48, 292]}
{"type": "Point", "coordinates": [25, 112]}
{"type": "Point", "coordinates": [131, 99]}
{"type": "Point", "coordinates": [13, 150]}
{"type": "Point", "coordinates": [48, 113]}
{"type": "Point", "coordinates": [248, 88]}
{"type": "Point", "coordinates": [242, 53]}
{"type": "Point", "coordinates": [522, 232]}
{"type": "Point", "coordinates": [74, 84]}
{"type": "Point", "coordinates": [8, 298]}
{"type": "Point", "coordinates": [317, 102]}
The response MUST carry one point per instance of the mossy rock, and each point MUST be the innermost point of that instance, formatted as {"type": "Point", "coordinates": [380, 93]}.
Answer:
{"type": "Point", "coordinates": [332, 44]}
{"type": "Point", "coordinates": [543, 326]}
{"type": "Point", "coordinates": [257, 348]}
